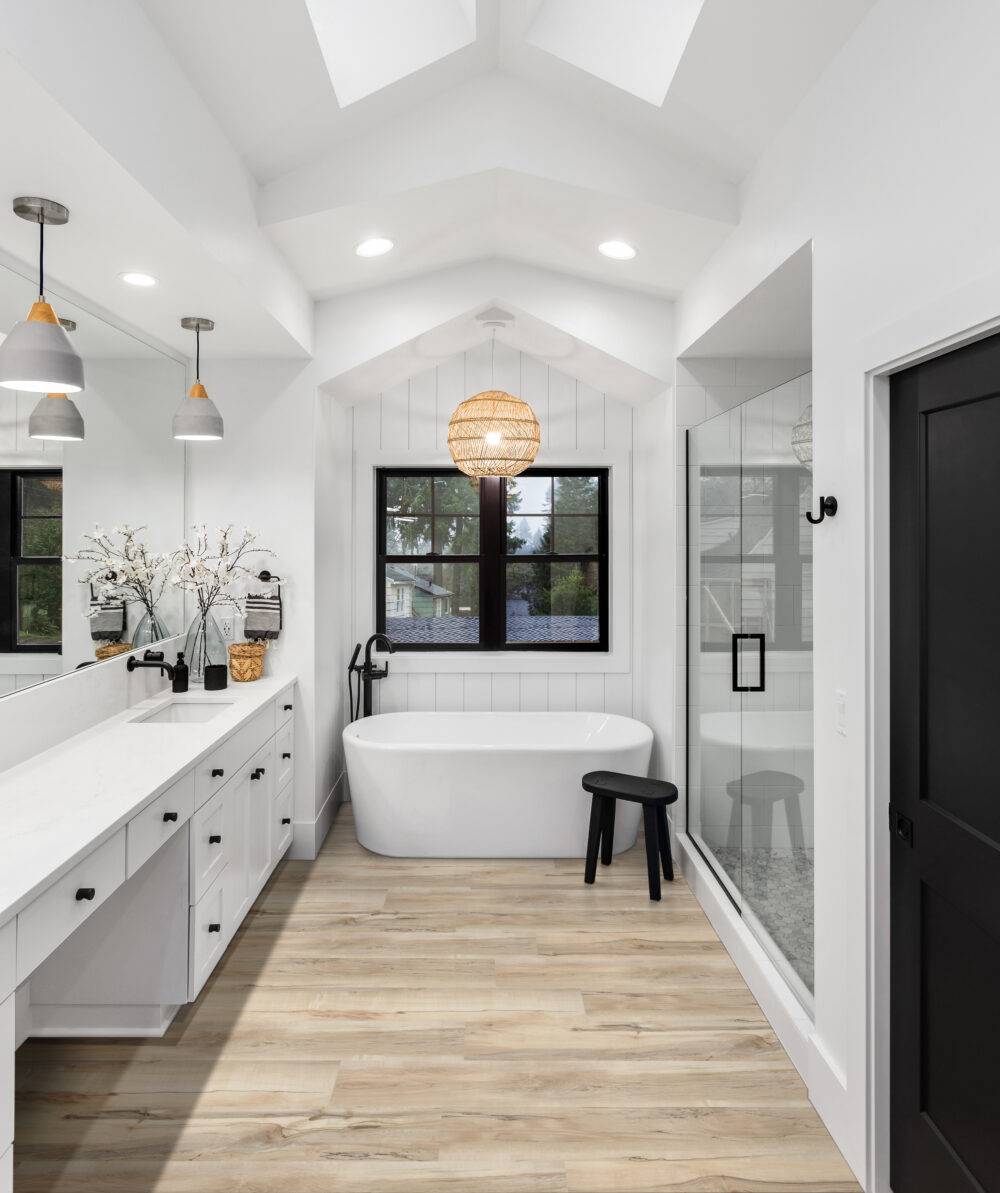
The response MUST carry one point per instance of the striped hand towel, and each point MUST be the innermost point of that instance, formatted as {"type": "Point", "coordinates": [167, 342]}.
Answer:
{"type": "Point", "coordinates": [263, 616]}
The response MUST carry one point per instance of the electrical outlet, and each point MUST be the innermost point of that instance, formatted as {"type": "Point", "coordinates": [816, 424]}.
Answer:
{"type": "Point", "coordinates": [226, 625]}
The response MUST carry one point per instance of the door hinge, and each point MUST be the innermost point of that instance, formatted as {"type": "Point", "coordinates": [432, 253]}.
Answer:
{"type": "Point", "coordinates": [901, 826]}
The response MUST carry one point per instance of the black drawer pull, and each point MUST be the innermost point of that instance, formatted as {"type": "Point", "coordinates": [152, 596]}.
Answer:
{"type": "Point", "coordinates": [215, 839]}
{"type": "Point", "coordinates": [256, 774]}
{"type": "Point", "coordinates": [168, 816]}
{"type": "Point", "coordinates": [288, 708]}
{"type": "Point", "coordinates": [286, 820]}
{"type": "Point", "coordinates": [218, 772]}
{"type": "Point", "coordinates": [215, 927]}
{"type": "Point", "coordinates": [286, 755]}
{"type": "Point", "coordinates": [85, 892]}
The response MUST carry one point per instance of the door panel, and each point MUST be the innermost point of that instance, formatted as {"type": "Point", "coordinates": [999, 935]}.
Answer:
{"type": "Point", "coordinates": [945, 859]}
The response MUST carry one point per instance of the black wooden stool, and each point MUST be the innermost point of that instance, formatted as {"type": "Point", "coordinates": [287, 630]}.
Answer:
{"type": "Point", "coordinates": [606, 786]}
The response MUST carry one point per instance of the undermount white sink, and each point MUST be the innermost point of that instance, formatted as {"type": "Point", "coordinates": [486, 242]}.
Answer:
{"type": "Point", "coordinates": [183, 712]}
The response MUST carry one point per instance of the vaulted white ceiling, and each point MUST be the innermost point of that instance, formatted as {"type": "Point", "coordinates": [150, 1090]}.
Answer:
{"type": "Point", "coordinates": [240, 149]}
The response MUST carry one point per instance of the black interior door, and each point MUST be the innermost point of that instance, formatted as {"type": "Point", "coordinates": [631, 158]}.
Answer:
{"type": "Point", "coordinates": [945, 797]}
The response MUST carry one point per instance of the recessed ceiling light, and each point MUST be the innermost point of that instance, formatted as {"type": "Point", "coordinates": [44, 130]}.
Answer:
{"type": "Point", "coordinates": [376, 246]}
{"type": "Point", "coordinates": [138, 279]}
{"type": "Point", "coordinates": [617, 250]}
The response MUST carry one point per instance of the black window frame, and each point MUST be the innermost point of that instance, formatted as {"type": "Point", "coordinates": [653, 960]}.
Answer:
{"type": "Point", "coordinates": [11, 558]}
{"type": "Point", "coordinates": [492, 561]}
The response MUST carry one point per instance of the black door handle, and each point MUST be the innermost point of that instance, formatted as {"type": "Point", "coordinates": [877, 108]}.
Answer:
{"type": "Point", "coordinates": [215, 927]}
{"type": "Point", "coordinates": [85, 892]}
{"type": "Point", "coordinates": [218, 772]}
{"type": "Point", "coordinates": [286, 820]}
{"type": "Point", "coordinates": [215, 839]}
{"type": "Point", "coordinates": [168, 816]}
{"type": "Point", "coordinates": [737, 686]}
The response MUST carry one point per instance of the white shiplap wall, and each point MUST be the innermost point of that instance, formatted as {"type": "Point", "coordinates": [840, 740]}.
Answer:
{"type": "Point", "coordinates": [407, 426]}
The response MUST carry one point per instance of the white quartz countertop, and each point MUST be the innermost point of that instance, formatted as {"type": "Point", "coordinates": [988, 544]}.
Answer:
{"type": "Point", "coordinates": [63, 803]}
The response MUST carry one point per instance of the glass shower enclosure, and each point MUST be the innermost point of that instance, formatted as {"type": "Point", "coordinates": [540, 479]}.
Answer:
{"type": "Point", "coordinates": [749, 666]}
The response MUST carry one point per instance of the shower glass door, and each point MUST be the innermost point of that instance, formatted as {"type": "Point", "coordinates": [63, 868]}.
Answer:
{"type": "Point", "coordinates": [750, 771]}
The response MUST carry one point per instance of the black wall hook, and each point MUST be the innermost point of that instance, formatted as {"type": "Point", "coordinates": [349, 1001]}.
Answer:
{"type": "Point", "coordinates": [827, 509]}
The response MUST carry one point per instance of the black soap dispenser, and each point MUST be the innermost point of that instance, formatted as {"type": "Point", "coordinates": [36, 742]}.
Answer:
{"type": "Point", "coordinates": [180, 683]}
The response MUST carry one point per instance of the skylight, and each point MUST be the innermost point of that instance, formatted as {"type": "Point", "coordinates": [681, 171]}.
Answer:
{"type": "Point", "coordinates": [370, 44]}
{"type": "Point", "coordinates": [635, 45]}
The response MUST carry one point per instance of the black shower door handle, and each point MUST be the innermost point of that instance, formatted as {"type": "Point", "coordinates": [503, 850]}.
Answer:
{"type": "Point", "coordinates": [737, 686]}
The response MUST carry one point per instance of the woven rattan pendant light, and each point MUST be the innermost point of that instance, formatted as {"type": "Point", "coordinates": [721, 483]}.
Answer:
{"type": "Point", "coordinates": [493, 433]}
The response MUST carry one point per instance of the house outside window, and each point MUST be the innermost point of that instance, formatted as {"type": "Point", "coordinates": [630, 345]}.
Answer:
{"type": "Point", "coordinates": [517, 564]}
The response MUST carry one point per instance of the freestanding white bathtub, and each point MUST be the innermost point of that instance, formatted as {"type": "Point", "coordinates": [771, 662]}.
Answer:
{"type": "Point", "coordinates": [487, 784]}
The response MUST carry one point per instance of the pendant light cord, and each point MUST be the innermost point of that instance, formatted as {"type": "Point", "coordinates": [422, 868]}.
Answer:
{"type": "Point", "coordinates": [197, 354]}
{"type": "Point", "coordinates": [41, 258]}
{"type": "Point", "coordinates": [493, 359]}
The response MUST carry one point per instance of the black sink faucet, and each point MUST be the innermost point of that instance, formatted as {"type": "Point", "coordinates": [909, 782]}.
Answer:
{"type": "Point", "coordinates": [152, 658]}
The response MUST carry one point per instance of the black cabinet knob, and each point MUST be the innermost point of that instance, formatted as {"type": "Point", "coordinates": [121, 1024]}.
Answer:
{"type": "Point", "coordinates": [256, 774]}
{"type": "Point", "coordinates": [218, 772]}
{"type": "Point", "coordinates": [286, 755]}
{"type": "Point", "coordinates": [215, 839]}
{"type": "Point", "coordinates": [288, 708]}
{"type": "Point", "coordinates": [286, 820]}
{"type": "Point", "coordinates": [168, 816]}
{"type": "Point", "coordinates": [215, 927]}
{"type": "Point", "coordinates": [85, 892]}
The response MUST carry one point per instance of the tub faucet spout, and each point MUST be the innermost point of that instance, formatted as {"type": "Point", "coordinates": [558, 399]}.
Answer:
{"type": "Point", "coordinates": [369, 671]}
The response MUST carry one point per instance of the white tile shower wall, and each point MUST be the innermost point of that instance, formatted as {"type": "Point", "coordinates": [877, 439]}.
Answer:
{"type": "Point", "coordinates": [790, 684]}
{"type": "Point", "coordinates": [407, 426]}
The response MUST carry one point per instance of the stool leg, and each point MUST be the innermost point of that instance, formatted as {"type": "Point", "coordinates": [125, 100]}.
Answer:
{"type": "Point", "coordinates": [663, 840]}
{"type": "Point", "coordinates": [593, 838]}
{"type": "Point", "coordinates": [652, 850]}
{"type": "Point", "coordinates": [608, 831]}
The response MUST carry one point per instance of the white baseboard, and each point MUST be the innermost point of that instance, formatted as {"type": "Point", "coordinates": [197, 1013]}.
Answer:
{"type": "Point", "coordinates": [100, 1021]}
{"type": "Point", "coordinates": [308, 835]}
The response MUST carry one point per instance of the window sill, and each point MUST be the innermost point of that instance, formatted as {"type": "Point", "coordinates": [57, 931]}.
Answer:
{"type": "Point", "coordinates": [508, 662]}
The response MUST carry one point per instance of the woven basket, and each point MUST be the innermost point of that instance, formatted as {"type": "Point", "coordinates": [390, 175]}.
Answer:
{"type": "Point", "coordinates": [246, 661]}
{"type": "Point", "coordinates": [110, 649]}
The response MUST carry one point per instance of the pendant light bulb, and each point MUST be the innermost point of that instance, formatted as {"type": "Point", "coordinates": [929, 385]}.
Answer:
{"type": "Point", "coordinates": [37, 356]}
{"type": "Point", "coordinates": [197, 417]}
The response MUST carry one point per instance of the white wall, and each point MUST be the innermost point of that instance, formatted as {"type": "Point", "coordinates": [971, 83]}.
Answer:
{"type": "Point", "coordinates": [407, 426]}
{"type": "Point", "coordinates": [884, 166]}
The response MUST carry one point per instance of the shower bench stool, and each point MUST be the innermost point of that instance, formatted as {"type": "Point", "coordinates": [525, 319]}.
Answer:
{"type": "Point", "coordinates": [606, 787]}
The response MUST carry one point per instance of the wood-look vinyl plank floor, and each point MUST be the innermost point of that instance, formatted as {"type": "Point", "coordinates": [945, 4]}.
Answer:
{"type": "Point", "coordinates": [472, 1026]}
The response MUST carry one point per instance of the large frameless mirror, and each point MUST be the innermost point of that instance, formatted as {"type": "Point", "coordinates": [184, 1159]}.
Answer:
{"type": "Point", "coordinates": [127, 472]}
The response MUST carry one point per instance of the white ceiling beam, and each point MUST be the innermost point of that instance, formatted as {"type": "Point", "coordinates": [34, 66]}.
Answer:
{"type": "Point", "coordinates": [497, 122]}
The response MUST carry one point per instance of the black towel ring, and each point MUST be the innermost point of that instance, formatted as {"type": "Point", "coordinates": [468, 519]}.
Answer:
{"type": "Point", "coordinates": [827, 509]}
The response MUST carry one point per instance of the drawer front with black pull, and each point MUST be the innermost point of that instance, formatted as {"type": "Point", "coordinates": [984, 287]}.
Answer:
{"type": "Point", "coordinates": [44, 924]}
{"type": "Point", "coordinates": [209, 933]}
{"type": "Point", "coordinates": [212, 842]}
{"type": "Point", "coordinates": [158, 822]}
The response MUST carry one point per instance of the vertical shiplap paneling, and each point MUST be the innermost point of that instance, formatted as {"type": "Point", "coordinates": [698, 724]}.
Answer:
{"type": "Point", "coordinates": [423, 412]}
{"type": "Point", "coordinates": [590, 693]}
{"type": "Point", "coordinates": [421, 692]}
{"type": "Point", "coordinates": [534, 693]}
{"type": "Point", "coordinates": [449, 695]}
{"type": "Point", "coordinates": [561, 430]}
{"type": "Point", "coordinates": [506, 693]}
{"type": "Point", "coordinates": [562, 693]}
{"type": "Point", "coordinates": [450, 391]}
{"type": "Point", "coordinates": [618, 693]}
{"type": "Point", "coordinates": [589, 418]}
{"type": "Point", "coordinates": [408, 424]}
{"type": "Point", "coordinates": [478, 692]}
{"type": "Point", "coordinates": [395, 433]}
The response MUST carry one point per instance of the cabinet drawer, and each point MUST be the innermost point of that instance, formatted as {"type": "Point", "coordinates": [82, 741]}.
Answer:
{"type": "Point", "coordinates": [284, 708]}
{"type": "Point", "coordinates": [45, 924]}
{"type": "Point", "coordinates": [8, 961]}
{"type": "Point", "coordinates": [6, 1074]}
{"type": "Point", "coordinates": [281, 829]}
{"type": "Point", "coordinates": [209, 933]}
{"type": "Point", "coordinates": [213, 772]}
{"type": "Point", "coordinates": [212, 841]}
{"type": "Point", "coordinates": [155, 825]}
{"type": "Point", "coordinates": [284, 754]}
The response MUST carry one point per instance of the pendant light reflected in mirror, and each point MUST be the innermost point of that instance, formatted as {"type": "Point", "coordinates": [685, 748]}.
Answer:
{"type": "Point", "coordinates": [56, 416]}
{"type": "Point", "coordinates": [197, 417]}
{"type": "Point", "coordinates": [37, 355]}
